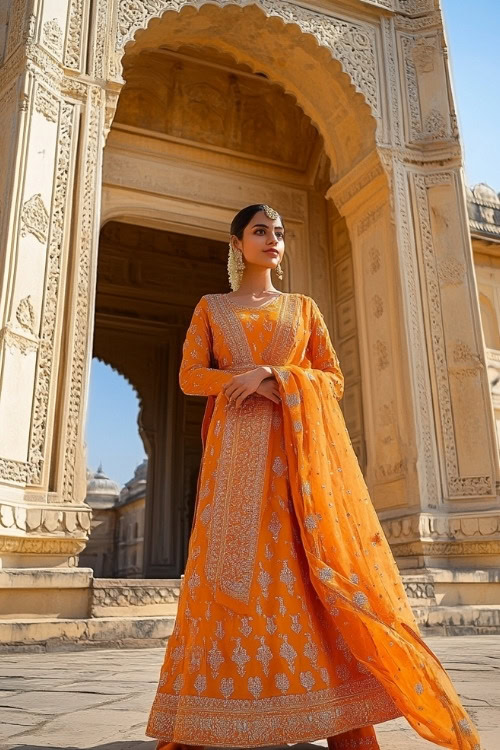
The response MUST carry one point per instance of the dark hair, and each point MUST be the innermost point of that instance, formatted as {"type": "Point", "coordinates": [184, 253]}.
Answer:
{"type": "Point", "coordinates": [243, 218]}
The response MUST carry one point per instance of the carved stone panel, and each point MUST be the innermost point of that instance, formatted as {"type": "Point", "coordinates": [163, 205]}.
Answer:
{"type": "Point", "coordinates": [456, 354]}
{"type": "Point", "coordinates": [427, 96]}
{"type": "Point", "coordinates": [387, 459]}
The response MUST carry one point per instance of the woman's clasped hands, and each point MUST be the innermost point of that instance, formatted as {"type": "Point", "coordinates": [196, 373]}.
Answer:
{"type": "Point", "coordinates": [259, 380]}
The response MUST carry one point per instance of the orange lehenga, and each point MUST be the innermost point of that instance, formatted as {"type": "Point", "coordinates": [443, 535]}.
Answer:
{"type": "Point", "coordinates": [293, 624]}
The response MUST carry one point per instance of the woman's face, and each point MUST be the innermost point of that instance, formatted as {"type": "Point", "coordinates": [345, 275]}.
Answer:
{"type": "Point", "coordinates": [263, 242]}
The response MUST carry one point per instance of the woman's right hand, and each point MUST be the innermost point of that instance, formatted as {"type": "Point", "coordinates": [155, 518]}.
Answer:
{"type": "Point", "coordinates": [269, 388]}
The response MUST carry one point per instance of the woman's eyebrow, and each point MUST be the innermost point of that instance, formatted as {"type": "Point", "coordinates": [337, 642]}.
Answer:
{"type": "Point", "coordinates": [265, 226]}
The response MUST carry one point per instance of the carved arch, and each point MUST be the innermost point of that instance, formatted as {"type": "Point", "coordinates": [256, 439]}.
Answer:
{"type": "Point", "coordinates": [327, 64]}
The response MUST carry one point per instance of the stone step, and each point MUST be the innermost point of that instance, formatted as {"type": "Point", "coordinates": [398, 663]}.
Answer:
{"type": "Point", "coordinates": [63, 634]}
{"type": "Point", "coordinates": [466, 619]}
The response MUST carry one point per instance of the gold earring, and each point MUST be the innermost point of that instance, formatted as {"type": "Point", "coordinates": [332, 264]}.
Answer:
{"type": "Point", "coordinates": [279, 271]}
{"type": "Point", "coordinates": [235, 267]}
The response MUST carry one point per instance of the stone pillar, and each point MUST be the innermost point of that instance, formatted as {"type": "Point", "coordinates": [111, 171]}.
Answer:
{"type": "Point", "coordinates": [432, 464]}
{"type": "Point", "coordinates": [50, 141]}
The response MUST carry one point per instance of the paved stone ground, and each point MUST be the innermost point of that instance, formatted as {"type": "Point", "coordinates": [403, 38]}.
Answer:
{"type": "Point", "coordinates": [100, 699]}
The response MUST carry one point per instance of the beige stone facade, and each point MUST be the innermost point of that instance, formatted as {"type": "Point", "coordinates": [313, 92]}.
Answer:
{"type": "Point", "coordinates": [115, 547]}
{"type": "Point", "coordinates": [131, 133]}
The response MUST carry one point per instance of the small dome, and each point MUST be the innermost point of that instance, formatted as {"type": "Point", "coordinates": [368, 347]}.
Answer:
{"type": "Point", "coordinates": [484, 193]}
{"type": "Point", "coordinates": [101, 490]}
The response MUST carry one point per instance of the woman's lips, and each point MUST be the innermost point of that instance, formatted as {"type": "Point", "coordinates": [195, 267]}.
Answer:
{"type": "Point", "coordinates": [272, 252]}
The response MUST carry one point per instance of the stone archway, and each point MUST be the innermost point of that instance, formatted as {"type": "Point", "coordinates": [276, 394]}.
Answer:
{"type": "Point", "coordinates": [190, 113]}
{"type": "Point", "coordinates": [386, 117]}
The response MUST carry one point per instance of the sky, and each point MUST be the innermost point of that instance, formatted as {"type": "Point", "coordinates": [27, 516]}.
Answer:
{"type": "Point", "coordinates": [473, 33]}
{"type": "Point", "coordinates": [472, 30]}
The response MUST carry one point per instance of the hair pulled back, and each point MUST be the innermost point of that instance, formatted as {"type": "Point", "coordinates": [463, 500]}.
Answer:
{"type": "Point", "coordinates": [243, 218]}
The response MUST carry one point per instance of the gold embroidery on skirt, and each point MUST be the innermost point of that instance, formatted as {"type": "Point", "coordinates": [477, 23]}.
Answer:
{"type": "Point", "coordinates": [238, 493]}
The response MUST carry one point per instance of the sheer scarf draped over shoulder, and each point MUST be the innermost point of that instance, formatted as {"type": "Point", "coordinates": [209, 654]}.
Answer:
{"type": "Point", "coordinates": [347, 558]}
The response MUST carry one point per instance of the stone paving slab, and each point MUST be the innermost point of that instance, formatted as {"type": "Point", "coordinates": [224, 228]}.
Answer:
{"type": "Point", "coordinates": [100, 700]}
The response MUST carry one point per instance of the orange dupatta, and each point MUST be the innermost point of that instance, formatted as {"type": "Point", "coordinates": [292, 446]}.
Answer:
{"type": "Point", "coordinates": [351, 564]}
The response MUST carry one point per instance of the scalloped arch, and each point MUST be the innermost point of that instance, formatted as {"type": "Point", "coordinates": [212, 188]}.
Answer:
{"type": "Point", "coordinates": [327, 64]}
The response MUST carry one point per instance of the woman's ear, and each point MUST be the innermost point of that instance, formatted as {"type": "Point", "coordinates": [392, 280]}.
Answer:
{"type": "Point", "coordinates": [236, 243]}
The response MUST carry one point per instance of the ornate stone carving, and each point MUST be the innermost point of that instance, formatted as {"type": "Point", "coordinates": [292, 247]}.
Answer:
{"type": "Point", "coordinates": [369, 218]}
{"type": "Point", "coordinates": [13, 471]}
{"type": "Point", "coordinates": [412, 88]}
{"type": "Point", "coordinates": [451, 271]}
{"type": "Point", "coordinates": [457, 485]}
{"type": "Point", "coordinates": [423, 54]}
{"type": "Point", "coordinates": [73, 51]}
{"type": "Point", "coordinates": [430, 21]}
{"type": "Point", "coordinates": [25, 314]}
{"type": "Point", "coordinates": [34, 218]}
{"type": "Point", "coordinates": [131, 594]}
{"type": "Point", "coordinates": [49, 312]}
{"type": "Point", "coordinates": [411, 279]}
{"type": "Point", "coordinates": [375, 260]}
{"type": "Point", "coordinates": [388, 4]}
{"type": "Point", "coordinates": [52, 36]}
{"type": "Point", "coordinates": [446, 549]}
{"type": "Point", "coordinates": [377, 306]}
{"type": "Point", "coordinates": [435, 127]}
{"type": "Point", "coordinates": [395, 124]}
{"type": "Point", "coordinates": [415, 589]}
{"type": "Point", "coordinates": [469, 363]}
{"type": "Point", "coordinates": [101, 44]}
{"type": "Point", "coordinates": [414, 7]}
{"type": "Point", "coordinates": [19, 342]}
{"type": "Point", "coordinates": [74, 89]}
{"type": "Point", "coordinates": [46, 104]}
{"type": "Point", "coordinates": [381, 354]}
{"type": "Point", "coordinates": [44, 519]}
{"type": "Point", "coordinates": [36, 60]}
{"type": "Point", "coordinates": [352, 44]}
{"type": "Point", "coordinates": [79, 353]}
{"type": "Point", "coordinates": [26, 545]}
{"type": "Point", "coordinates": [345, 190]}
{"type": "Point", "coordinates": [420, 57]}
{"type": "Point", "coordinates": [444, 528]}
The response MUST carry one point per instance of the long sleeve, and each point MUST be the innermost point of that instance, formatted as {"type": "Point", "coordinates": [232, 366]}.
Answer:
{"type": "Point", "coordinates": [321, 353]}
{"type": "Point", "coordinates": [196, 377]}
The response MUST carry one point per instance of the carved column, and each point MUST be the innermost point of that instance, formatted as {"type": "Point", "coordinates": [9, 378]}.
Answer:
{"type": "Point", "coordinates": [432, 461]}
{"type": "Point", "coordinates": [45, 120]}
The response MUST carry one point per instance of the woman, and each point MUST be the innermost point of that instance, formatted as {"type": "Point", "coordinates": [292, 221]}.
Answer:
{"type": "Point", "coordinates": [293, 624]}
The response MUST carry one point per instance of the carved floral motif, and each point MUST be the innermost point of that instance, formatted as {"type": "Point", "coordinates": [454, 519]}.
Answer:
{"type": "Point", "coordinates": [46, 104]}
{"type": "Point", "coordinates": [35, 218]}
{"type": "Point", "coordinates": [25, 314]}
{"type": "Point", "coordinates": [52, 36]}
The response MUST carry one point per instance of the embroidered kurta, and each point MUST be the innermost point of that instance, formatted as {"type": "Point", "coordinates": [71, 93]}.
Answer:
{"type": "Point", "coordinates": [292, 624]}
